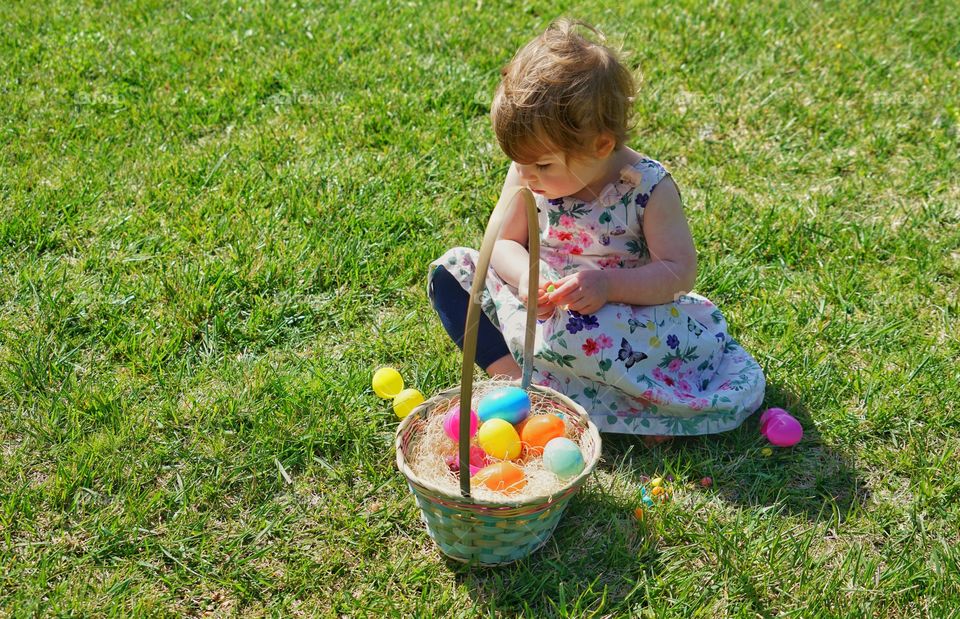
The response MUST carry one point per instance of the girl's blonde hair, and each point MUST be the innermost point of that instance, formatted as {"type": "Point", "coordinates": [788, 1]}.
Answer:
{"type": "Point", "coordinates": [559, 92]}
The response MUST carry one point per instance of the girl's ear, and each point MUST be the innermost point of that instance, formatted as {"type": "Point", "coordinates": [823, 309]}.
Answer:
{"type": "Point", "coordinates": [604, 145]}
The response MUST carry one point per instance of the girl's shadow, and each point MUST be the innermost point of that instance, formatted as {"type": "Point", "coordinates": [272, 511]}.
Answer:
{"type": "Point", "coordinates": [600, 550]}
{"type": "Point", "coordinates": [810, 479]}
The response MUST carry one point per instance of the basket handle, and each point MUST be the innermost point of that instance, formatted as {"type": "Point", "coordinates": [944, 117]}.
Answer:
{"type": "Point", "coordinates": [473, 312]}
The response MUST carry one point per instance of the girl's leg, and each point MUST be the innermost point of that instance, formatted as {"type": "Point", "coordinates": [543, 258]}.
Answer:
{"type": "Point", "coordinates": [450, 301]}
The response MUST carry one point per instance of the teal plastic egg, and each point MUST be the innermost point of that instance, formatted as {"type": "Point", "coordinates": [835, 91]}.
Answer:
{"type": "Point", "coordinates": [512, 404]}
{"type": "Point", "coordinates": [562, 457]}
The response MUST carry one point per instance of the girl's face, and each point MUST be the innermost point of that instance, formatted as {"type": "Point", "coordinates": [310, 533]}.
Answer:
{"type": "Point", "coordinates": [556, 174]}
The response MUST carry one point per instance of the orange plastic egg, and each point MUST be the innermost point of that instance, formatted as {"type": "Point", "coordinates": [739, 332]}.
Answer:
{"type": "Point", "coordinates": [502, 476]}
{"type": "Point", "coordinates": [539, 430]}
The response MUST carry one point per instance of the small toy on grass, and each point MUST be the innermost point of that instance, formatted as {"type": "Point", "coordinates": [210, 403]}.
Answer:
{"type": "Point", "coordinates": [539, 430]}
{"type": "Point", "coordinates": [451, 423]}
{"type": "Point", "coordinates": [406, 401]}
{"type": "Point", "coordinates": [780, 427]}
{"type": "Point", "coordinates": [499, 439]}
{"type": "Point", "coordinates": [706, 482]}
{"type": "Point", "coordinates": [645, 497]}
{"type": "Point", "coordinates": [387, 383]}
{"type": "Point", "coordinates": [512, 404]}
{"type": "Point", "coordinates": [562, 457]}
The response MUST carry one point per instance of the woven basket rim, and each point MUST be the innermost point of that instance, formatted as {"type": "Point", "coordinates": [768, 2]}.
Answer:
{"type": "Point", "coordinates": [574, 482]}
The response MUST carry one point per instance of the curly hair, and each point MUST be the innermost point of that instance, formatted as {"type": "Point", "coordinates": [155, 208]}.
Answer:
{"type": "Point", "coordinates": [559, 92]}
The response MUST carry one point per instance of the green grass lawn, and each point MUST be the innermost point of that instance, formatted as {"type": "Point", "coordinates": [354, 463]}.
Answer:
{"type": "Point", "coordinates": [215, 221]}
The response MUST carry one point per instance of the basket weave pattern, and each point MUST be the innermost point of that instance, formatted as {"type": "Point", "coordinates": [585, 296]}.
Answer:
{"type": "Point", "coordinates": [493, 533]}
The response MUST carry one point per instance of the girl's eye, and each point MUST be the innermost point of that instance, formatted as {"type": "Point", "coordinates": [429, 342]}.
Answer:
{"type": "Point", "coordinates": [543, 166]}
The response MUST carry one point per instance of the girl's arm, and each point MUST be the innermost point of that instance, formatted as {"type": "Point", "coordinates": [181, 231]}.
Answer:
{"type": "Point", "coordinates": [511, 259]}
{"type": "Point", "coordinates": [672, 270]}
{"type": "Point", "coordinates": [510, 256]}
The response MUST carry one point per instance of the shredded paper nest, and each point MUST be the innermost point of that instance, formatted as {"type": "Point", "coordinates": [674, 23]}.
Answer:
{"type": "Point", "coordinates": [430, 448]}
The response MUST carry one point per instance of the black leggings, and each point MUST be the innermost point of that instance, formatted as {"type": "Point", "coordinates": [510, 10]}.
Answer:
{"type": "Point", "coordinates": [450, 301]}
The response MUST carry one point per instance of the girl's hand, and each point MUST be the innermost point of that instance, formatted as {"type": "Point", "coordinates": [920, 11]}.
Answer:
{"type": "Point", "coordinates": [545, 308]}
{"type": "Point", "coordinates": [584, 292]}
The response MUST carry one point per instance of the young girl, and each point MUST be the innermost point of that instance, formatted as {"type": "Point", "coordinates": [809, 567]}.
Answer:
{"type": "Point", "coordinates": [618, 331]}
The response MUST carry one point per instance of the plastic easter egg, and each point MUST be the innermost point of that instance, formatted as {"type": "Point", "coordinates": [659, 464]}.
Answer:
{"type": "Point", "coordinates": [406, 401]}
{"type": "Point", "coordinates": [538, 430]}
{"type": "Point", "coordinates": [451, 423]}
{"type": "Point", "coordinates": [387, 383]}
{"type": "Point", "coordinates": [478, 460]}
{"type": "Point", "coordinates": [512, 404]}
{"type": "Point", "coordinates": [780, 427]}
{"type": "Point", "coordinates": [502, 476]}
{"type": "Point", "coordinates": [562, 457]}
{"type": "Point", "coordinates": [498, 438]}
{"type": "Point", "coordinates": [767, 414]}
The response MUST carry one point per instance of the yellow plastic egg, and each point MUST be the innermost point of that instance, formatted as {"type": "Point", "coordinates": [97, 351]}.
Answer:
{"type": "Point", "coordinates": [498, 438]}
{"type": "Point", "coordinates": [502, 476]}
{"type": "Point", "coordinates": [406, 401]}
{"type": "Point", "coordinates": [387, 383]}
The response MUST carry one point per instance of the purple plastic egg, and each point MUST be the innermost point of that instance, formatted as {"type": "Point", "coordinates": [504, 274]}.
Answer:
{"type": "Point", "coordinates": [451, 423]}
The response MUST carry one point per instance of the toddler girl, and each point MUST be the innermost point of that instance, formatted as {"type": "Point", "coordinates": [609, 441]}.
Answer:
{"type": "Point", "coordinates": [617, 332]}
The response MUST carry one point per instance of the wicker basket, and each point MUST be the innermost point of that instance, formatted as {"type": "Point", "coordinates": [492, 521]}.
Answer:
{"type": "Point", "coordinates": [494, 532]}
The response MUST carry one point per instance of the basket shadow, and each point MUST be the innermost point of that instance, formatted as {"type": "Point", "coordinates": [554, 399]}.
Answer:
{"type": "Point", "coordinates": [598, 551]}
{"type": "Point", "coordinates": [810, 480]}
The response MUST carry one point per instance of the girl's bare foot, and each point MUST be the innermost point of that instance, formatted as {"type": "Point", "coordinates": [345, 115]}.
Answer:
{"type": "Point", "coordinates": [505, 366]}
{"type": "Point", "coordinates": [653, 441]}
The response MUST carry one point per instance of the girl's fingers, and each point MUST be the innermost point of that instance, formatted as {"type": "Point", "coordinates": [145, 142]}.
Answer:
{"type": "Point", "coordinates": [576, 303]}
{"type": "Point", "coordinates": [564, 292]}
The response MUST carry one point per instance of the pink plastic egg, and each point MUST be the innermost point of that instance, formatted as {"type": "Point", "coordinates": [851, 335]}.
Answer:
{"type": "Point", "coordinates": [780, 427]}
{"type": "Point", "coordinates": [478, 460]}
{"type": "Point", "coordinates": [451, 423]}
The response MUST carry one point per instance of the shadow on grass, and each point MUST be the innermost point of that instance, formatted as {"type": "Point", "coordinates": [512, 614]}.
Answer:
{"type": "Point", "coordinates": [810, 480]}
{"type": "Point", "coordinates": [599, 554]}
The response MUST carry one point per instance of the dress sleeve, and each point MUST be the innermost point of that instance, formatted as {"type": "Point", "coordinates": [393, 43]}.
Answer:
{"type": "Point", "coordinates": [652, 172]}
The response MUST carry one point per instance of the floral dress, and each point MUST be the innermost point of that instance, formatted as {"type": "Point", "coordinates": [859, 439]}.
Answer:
{"type": "Point", "coordinates": [667, 369]}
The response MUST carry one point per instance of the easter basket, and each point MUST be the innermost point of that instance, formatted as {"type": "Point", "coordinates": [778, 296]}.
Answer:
{"type": "Point", "coordinates": [483, 531]}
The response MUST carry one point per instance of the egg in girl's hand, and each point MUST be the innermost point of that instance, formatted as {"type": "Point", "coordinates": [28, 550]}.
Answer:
{"type": "Point", "coordinates": [538, 430]}
{"type": "Point", "coordinates": [498, 438]}
{"type": "Point", "coordinates": [451, 423]}
{"type": "Point", "coordinates": [512, 404]}
{"type": "Point", "coordinates": [503, 477]}
{"type": "Point", "coordinates": [478, 460]}
{"type": "Point", "coordinates": [562, 457]}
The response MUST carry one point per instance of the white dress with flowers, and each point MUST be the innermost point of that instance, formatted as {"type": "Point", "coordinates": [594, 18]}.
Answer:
{"type": "Point", "coordinates": [667, 369]}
